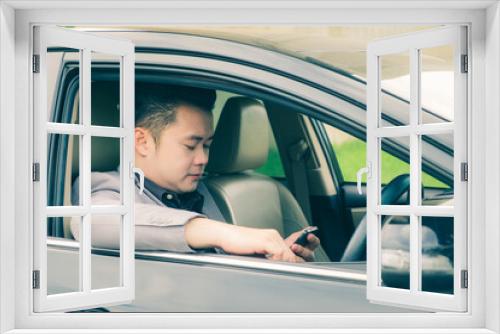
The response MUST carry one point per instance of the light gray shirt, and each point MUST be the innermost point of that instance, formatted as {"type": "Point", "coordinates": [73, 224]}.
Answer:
{"type": "Point", "coordinates": [157, 227]}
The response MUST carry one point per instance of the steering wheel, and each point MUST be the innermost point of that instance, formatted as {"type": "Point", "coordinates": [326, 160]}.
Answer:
{"type": "Point", "coordinates": [356, 248]}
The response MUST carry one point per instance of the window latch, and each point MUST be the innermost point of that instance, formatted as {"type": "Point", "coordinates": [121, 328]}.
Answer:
{"type": "Point", "coordinates": [138, 171]}
{"type": "Point", "coordinates": [359, 175]}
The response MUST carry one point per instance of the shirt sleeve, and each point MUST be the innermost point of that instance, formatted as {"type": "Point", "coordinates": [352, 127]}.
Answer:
{"type": "Point", "coordinates": [156, 227]}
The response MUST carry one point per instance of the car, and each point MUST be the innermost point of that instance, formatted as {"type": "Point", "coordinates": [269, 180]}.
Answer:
{"type": "Point", "coordinates": [313, 131]}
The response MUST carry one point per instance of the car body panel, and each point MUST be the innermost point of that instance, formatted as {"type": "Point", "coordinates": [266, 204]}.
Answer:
{"type": "Point", "coordinates": [167, 284]}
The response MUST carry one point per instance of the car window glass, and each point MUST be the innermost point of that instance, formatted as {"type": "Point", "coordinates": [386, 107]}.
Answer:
{"type": "Point", "coordinates": [351, 156]}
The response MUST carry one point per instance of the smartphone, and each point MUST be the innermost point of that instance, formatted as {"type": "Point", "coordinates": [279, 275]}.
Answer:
{"type": "Point", "coordinates": [302, 239]}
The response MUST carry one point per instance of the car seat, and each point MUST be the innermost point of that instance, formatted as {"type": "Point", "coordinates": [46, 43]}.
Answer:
{"type": "Point", "coordinates": [244, 197]}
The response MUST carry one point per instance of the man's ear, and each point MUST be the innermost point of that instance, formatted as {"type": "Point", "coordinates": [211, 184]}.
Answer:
{"type": "Point", "coordinates": [144, 142]}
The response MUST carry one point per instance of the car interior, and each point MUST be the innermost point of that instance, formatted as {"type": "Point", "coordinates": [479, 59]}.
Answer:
{"type": "Point", "coordinates": [240, 146]}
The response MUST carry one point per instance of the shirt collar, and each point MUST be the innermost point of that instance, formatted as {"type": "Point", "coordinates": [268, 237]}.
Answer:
{"type": "Point", "coordinates": [192, 201]}
{"type": "Point", "coordinates": [155, 189]}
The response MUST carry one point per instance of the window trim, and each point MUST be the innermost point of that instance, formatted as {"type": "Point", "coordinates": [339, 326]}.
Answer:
{"type": "Point", "coordinates": [43, 39]}
{"type": "Point", "coordinates": [480, 316]}
{"type": "Point", "coordinates": [304, 270]}
{"type": "Point", "coordinates": [455, 36]}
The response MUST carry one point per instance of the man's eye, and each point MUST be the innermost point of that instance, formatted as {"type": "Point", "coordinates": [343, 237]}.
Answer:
{"type": "Point", "coordinates": [206, 147]}
{"type": "Point", "coordinates": [191, 148]}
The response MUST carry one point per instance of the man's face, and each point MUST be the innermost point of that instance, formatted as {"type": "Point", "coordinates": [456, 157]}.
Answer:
{"type": "Point", "coordinates": [178, 159]}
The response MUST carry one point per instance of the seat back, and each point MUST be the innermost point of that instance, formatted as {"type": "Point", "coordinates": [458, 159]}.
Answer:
{"type": "Point", "coordinates": [244, 197]}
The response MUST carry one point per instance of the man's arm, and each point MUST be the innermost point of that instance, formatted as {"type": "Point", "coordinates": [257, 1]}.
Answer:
{"type": "Point", "coordinates": [164, 228]}
{"type": "Point", "coordinates": [198, 232]}
{"type": "Point", "coordinates": [156, 227]}
{"type": "Point", "coordinates": [203, 233]}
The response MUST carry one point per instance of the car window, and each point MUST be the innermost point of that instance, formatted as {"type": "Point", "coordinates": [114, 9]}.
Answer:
{"type": "Point", "coordinates": [273, 166]}
{"type": "Point", "coordinates": [351, 156]}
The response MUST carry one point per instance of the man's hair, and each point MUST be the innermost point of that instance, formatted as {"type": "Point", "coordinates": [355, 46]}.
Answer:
{"type": "Point", "coordinates": [156, 104]}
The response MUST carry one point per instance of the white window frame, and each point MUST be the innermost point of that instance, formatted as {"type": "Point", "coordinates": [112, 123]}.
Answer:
{"type": "Point", "coordinates": [483, 122]}
{"type": "Point", "coordinates": [85, 297]}
{"type": "Point", "coordinates": [455, 36]}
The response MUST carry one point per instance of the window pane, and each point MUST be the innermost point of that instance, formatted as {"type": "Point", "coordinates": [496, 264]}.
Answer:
{"type": "Point", "coordinates": [351, 156]}
{"type": "Point", "coordinates": [106, 264]}
{"type": "Point", "coordinates": [438, 151]}
{"type": "Point", "coordinates": [63, 72]}
{"type": "Point", "coordinates": [395, 80]}
{"type": "Point", "coordinates": [395, 246]}
{"type": "Point", "coordinates": [63, 168]}
{"type": "Point", "coordinates": [392, 167]}
{"type": "Point", "coordinates": [437, 254]}
{"type": "Point", "coordinates": [63, 263]}
{"type": "Point", "coordinates": [350, 152]}
{"type": "Point", "coordinates": [437, 84]}
{"type": "Point", "coordinates": [105, 90]}
{"type": "Point", "coordinates": [105, 158]}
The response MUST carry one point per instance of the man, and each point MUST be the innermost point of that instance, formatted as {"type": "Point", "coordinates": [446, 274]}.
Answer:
{"type": "Point", "coordinates": [173, 134]}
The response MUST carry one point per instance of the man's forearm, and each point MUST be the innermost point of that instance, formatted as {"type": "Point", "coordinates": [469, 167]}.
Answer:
{"type": "Point", "coordinates": [204, 233]}
{"type": "Point", "coordinates": [239, 240]}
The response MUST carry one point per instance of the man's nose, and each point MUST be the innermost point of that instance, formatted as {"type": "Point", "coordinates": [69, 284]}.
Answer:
{"type": "Point", "coordinates": [201, 157]}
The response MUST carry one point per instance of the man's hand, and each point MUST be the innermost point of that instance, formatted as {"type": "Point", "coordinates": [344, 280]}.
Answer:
{"type": "Point", "coordinates": [203, 233]}
{"type": "Point", "coordinates": [307, 252]}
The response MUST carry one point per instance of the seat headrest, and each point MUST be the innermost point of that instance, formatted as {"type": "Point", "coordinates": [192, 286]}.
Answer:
{"type": "Point", "coordinates": [105, 153]}
{"type": "Point", "coordinates": [241, 140]}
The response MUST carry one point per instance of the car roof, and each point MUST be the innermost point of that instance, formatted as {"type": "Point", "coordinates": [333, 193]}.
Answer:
{"type": "Point", "coordinates": [341, 47]}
